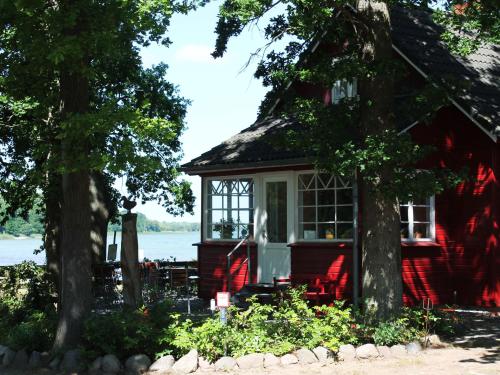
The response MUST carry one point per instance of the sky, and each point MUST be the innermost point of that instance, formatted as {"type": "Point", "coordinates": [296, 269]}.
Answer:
{"type": "Point", "coordinates": [224, 97]}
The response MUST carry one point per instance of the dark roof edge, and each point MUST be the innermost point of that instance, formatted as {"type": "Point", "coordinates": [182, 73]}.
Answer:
{"type": "Point", "coordinates": [459, 107]}
{"type": "Point", "coordinates": [195, 170]}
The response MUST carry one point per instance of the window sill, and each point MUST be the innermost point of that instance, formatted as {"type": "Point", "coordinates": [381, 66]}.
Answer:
{"type": "Point", "coordinates": [322, 244]}
{"type": "Point", "coordinates": [222, 243]}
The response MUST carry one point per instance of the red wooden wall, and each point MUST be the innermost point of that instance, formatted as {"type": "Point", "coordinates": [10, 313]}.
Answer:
{"type": "Point", "coordinates": [212, 266]}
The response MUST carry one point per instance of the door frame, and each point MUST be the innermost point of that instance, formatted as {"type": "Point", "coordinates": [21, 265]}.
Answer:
{"type": "Point", "coordinates": [260, 212]}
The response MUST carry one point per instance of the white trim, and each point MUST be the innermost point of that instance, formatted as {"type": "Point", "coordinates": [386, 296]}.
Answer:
{"type": "Point", "coordinates": [407, 59]}
{"type": "Point", "coordinates": [432, 222]}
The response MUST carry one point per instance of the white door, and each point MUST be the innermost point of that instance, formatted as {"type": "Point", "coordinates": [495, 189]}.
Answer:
{"type": "Point", "coordinates": [274, 255]}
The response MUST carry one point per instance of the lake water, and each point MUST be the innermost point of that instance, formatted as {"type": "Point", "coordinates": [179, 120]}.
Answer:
{"type": "Point", "coordinates": [152, 245]}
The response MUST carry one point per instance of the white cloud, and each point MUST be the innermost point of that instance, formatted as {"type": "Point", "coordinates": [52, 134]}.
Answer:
{"type": "Point", "coordinates": [195, 53]}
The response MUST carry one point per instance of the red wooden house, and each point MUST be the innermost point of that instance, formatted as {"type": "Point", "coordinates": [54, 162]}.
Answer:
{"type": "Point", "coordinates": [302, 223]}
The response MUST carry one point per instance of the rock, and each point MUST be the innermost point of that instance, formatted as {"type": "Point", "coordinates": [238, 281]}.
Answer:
{"type": "Point", "coordinates": [3, 349]}
{"type": "Point", "coordinates": [35, 360]}
{"type": "Point", "coordinates": [270, 360]}
{"type": "Point", "coordinates": [187, 363]}
{"type": "Point", "coordinates": [8, 357]}
{"type": "Point", "coordinates": [305, 356]}
{"type": "Point", "coordinates": [384, 351]}
{"type": "Point", "coordinates": [367, 351]}
{"type": "Point", "coordinates": [96, 364]}
{"type": "Point", "coordinates": [72, 361]}
{"type": "Point", "coordinates": [45, 358]}
{"type": "Point", "coordinates": [255, 360]}
{"type": "Point", "coordinates": [205, 365]}
{"type": "Point", "coordinates": [54, 364]}
{"type": "Point", "coordinates": [289, 359]}
{"type": "Point", "coordinates": [163, 364]}
{"type": "Point", "coordinates": [137, 364]}
{"type": "Point", "coordinates": [323, 354]}
{"type": "Point", "coordinates": [414, 348]}
{"type": "Point", "coordinates": [110, 364]}
{"type": "Point", "coordinates": [226, 364]}
{"type": "Point", "coordinates": [20, 360]}
{"type": "Point", "coordinates": [398, 351]}
{"type": "Point", "coordinates": [433, 341]}
{"type": "Point", "coordinates": [346, 353]}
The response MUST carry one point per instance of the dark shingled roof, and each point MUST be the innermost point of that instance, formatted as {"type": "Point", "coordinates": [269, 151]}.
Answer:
{"type": "Point", "coordinates": [418, 38]}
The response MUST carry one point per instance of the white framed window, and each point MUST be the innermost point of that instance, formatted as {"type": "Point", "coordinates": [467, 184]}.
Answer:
{"type": "Point", "coordinates": [325, 207]}
{"type": "Point", "coordinates": [417, 220]}
{"type": "Point", "coordinates": [344, 88]}
{"type": "Point", "coordinates": [230, 205]}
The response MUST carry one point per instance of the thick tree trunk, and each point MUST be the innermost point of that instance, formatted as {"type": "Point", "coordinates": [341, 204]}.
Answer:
{"type": "Point", "coordinates": [381, 243]}
{"type": "Point", "coordinates": [101, 212]}
{"type": "Point", "coordinates": [75, 250]}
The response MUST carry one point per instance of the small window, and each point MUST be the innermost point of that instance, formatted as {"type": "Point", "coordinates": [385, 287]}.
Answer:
{"type": "Point", "coordinates": [344, 89]}
{"type": "Point", "coordinates": [417, 221]}
{"type": "Point", "coordinates": [325, 207]}
{"type": "Point", "coordinates": [229, 208]}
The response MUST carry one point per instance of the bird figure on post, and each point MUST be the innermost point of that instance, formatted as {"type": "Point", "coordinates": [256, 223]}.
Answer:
{"type": "Point", "coordinates": [127, 204]}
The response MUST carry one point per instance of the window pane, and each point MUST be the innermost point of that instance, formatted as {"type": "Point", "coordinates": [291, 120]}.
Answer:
{"type": "Point", "coordinates": [306, 181]}
{"type": "Point", "coordinates": [405, 230]}
{"type": "Point", "coordinates": [326, 214]}
{"type": "Point", "coordinates": [421, 202]}
{"type": "Point", "coordinates": [308, 231]}
{"type": "Point", "coordinates": [244, 216]}
{"type": "Point", "coordinates": [216, 202]}
{"type": "Point", "coordinates": [245, 202]}
{"type": "Point", "coordinates": [308, 214]}
{"type": "Point", "coordinates": [276, 208]}
{"type": "Point", "coordinates": [344, 231]}
{"type": "Point", "coordinates": [344, 213]}
{"type": "Point", "coordinates": [326, 231]}
{"type": "Point", "coordinates": [421, 231]}
{"type": "Point", "coordinates": [326, 181]}
{"type": "Point", "coordinates": [215, 216]}
{"type": "Point", "coordinates": [344, 196]}
{"type": "Point", "coordinates": [421, 213]}
{"type": "Point", "coordinates": [307, 198]}
{"type": "Point", "coordinates": [326, 197]}
{"type": "Point", "coordinates": [404, 213]}
{"type": "Point", "coordinates": [215, 234]}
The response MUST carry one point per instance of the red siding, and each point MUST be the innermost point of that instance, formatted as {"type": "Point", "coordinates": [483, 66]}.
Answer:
{"type": "Point", "coordinates": [212, 266]}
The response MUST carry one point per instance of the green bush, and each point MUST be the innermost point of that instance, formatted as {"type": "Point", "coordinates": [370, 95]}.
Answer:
{"type": "Point", "coordinates": [280, 329]}
{"type": "Point", "coordinates": [35, 332]}
{"type": "Point", "coordinates": [127, 332]}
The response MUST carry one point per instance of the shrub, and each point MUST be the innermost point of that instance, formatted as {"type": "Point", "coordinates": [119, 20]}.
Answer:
{"type": "Point", "coordinates": [290, 325]}
{"type": "Point", "coordinates": [127, 332]}
{"type": "Point", "coordinates": [35, 332]}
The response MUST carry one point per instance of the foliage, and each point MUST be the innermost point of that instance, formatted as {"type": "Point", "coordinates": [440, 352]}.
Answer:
{"type": "Point", "coordinates": [22, 226]}
{"type": "Point", "coordinates": [144, 224]}
{"type": "Point", "coordinates": [289, 325]}
{"type": "Point", "coordinates": [126, 332]}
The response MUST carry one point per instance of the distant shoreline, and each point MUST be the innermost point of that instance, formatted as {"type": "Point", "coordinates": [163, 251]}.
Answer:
{"type": "Point", "coordinates": [5, 236]}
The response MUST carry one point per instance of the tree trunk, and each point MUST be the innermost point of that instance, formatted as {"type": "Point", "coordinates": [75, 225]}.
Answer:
{"type": "Point", "coordinates": [381, 242]}
{"type": "Point", "coordinates": [132, 288]}
{"type": "Point", "coordinates": [76, 260]}
{"type": "Point", "coordinates": [101, 208]}
{"type": "Point", "coordinates": [52, 233]}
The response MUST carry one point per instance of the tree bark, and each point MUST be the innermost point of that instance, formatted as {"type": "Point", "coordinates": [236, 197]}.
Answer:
{"type": "Point", "coordinates": [381, 242]}
{"type": "Point", "coordinates": [132, 288]}
{"type": "Point", "coordinates": [102, 209]}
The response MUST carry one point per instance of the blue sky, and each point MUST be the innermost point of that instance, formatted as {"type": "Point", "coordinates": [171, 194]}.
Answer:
{"type": "Point", "coordinates": [224, 98]}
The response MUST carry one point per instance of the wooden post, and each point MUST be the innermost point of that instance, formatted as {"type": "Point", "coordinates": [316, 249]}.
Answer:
{"type": "Point", "coordinates": [129, 258]}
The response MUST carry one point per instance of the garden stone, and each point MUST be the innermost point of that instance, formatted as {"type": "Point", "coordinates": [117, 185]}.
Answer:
{"type": "Point", "coordinates": [72, 361]}
{"type": "Point", "coordinates": [3, 349]}
{"type": "Point", "coordinates": [414, 348]}
{"type": "Point", "coordinates": [110, 364]}
{"type": "Point", "coordinates": [163, 364]}
{"type": "Point", "coordinates": [137, 364]}
{"type": "Point", "coordinates": [20, 360]}
{"type": "Point", "coordinates": [270, 360]}
{"type": "Point", "coordinates": [305, 356]}
{"type": "Point", "coordinates": [54, 364]}
{"type": "Point", "coordinates": [367, 351]}
{"type": "Point", "coordinates": [255, 360]}
{"type": "Point", "coordinates": [187, 363]}
{"type": "Point", "coordinates": [433, 341]}
{"type": "Point", "coordinates": [384, 351]}
{"type": "Point", "coordinates": [289, 359]}
{"type": "Point", "coordinates": [323, 354]}
{"type": "Point", "coordinates": [346, 353]}
{"type": "Point", "coordinates": [8, 357]}
{"type": "Point", "coordinates": [35, 360]}
{"type": "Point", "coordinates": [398, 350]}
{"type": "Point", "coordinates": [96, 364]}
{"type": "Point", "coordinates": [226, 364]}
{"type": "Point", "coordinates": [205, 365]}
